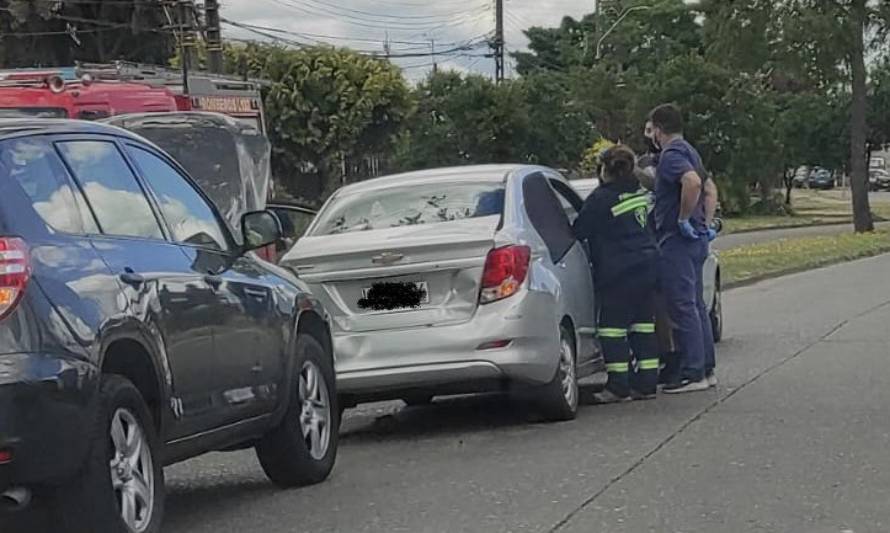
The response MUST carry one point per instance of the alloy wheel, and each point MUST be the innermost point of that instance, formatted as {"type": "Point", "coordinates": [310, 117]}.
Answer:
{"type": "Point", "coordinates": [567, 370]}
{"type": "Point", "coordinates": [315, 412]}
{"type": "Point", "coordinates": [132, 471]}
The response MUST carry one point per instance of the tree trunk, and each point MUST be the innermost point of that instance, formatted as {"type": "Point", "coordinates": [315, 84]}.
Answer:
{"type": "Point", "coordinates": [862, 220]}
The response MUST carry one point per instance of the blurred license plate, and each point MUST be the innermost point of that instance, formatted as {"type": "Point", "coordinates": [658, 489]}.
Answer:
{"type": "Point", "coordinates": [422, 286]}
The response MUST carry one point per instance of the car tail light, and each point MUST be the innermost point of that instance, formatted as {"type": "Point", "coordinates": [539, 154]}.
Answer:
{"type": "Point", "coordinates": [268, 253]}
{"type": "Point", "coordinates": [15, 271]}
{"type": "Point", "coordinates": [5, 457]}
{"type": "Point", "coordinates": [505, 271]}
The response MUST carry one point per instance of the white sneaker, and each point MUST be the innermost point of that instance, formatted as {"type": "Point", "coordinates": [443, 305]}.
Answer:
{"type": "Point", "coordinates": [687, 386]}
{"type": "Point", "coordinates": [712, 380]}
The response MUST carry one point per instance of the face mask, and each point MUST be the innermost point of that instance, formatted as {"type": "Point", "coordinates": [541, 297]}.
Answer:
{"type": "Point", "coordinates": [652, 145]}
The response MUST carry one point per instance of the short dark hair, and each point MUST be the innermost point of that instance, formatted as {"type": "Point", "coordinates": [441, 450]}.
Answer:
{"type": "Point", "coordinates": [668, 118]}
{"type": "Point", "coordinates": [620, 163]}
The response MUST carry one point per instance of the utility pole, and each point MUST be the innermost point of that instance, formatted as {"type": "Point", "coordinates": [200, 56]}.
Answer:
{"type": "Point", "coordinates": [499, 41]}
{"type": "Point", "coordinates": [214, 36]}
{"type": "Point", "coordinates": [186, 42]}
{"type": "Point", "coordinates": [433, 55]}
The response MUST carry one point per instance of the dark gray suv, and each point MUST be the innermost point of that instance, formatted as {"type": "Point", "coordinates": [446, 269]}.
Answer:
{"type": "Point", "coordinates": [136, 331]}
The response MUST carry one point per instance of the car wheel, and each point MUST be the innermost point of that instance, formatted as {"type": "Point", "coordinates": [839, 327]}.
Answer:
{"type": "Point", "coordinates": [416, 400]}
{"type": "Point", "coordinates": [121, 486]}
{"type": "Point", "coordinates": [717, 313]}
{"type": "Point", "coordinates": [559, 399]}
{"type": "Point", "coordinates": [302, 449]}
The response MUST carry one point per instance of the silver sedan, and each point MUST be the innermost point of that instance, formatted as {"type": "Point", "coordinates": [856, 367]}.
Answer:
{"type": "Point", "coordinates": [454, 281]}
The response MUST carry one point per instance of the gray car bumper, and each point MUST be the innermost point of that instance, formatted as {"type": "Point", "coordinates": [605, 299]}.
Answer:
{"type": "Point", "coordinates": [448, 355]}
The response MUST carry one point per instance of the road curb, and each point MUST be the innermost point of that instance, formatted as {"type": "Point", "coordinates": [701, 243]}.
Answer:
{"type": "Point", "coordinates": [787, 272]}
{"type": "Point", "coordinates": [876, 219]}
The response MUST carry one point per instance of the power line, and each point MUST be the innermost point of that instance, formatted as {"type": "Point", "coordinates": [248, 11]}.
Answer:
{"type": "Point", "coordinates": [270, 33]}
{"type": "Point", "coordinates": [378, 24]}
{"type": "Point", "coordinates": [384, 15]}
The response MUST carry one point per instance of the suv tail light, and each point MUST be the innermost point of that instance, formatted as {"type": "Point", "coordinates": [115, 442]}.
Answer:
{"type": "Point", "coordinates": [268, 253]}
{"type": "Point", "coordinates": [505, 271]}
{"type": "Point", "coordinates": [15, 271]}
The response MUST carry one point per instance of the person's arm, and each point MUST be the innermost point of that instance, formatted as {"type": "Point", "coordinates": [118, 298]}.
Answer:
{"type": "Point", "coordinates": [690, 194]}
{"type": "Point", "coordinates": [711, 199]}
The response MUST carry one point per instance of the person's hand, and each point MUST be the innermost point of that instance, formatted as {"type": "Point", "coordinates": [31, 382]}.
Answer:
{"type": "Point", "coordinates": [687, 231]}
{"type": "Point", "coordinates": [711, 234]}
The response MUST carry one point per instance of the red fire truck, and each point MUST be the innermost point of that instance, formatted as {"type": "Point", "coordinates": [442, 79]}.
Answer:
{"type": "Point", "coordinates": [93, 91]}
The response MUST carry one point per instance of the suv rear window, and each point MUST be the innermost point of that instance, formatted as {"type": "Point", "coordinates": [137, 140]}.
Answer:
{"type": "Point", "coordinates": [35, 166]}
{"type": "Point", "coordinates": [427, 203]}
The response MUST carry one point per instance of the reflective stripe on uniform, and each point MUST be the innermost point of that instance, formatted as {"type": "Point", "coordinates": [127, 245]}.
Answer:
{"type": "Point", "coordinates": [630, 205]}
{"type": "Point", "coordinates": [618, 368]}
{"type": "Point", "coordinates": [648, 364]}
{"type": "Point", "coordinates": [643, 327]}
{"type": "Point", "coordinates": [612, 333]}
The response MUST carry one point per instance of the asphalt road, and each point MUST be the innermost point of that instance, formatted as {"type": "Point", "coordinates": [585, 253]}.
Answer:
{"type": "Point", "coordinates": [794, 439]}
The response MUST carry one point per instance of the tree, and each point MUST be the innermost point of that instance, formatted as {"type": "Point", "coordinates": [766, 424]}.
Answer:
{"type": "Point", "coordinates": [466, 119]}
{"type": "Point", "coordinates": [642, 41]}
{"type": "Point", "coordinates": [832, 38]}
{"type": "Point", "coordinates": [62, 32]}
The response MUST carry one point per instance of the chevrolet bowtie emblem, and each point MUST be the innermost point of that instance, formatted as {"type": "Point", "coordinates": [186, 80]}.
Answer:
{"type": "Point", "coordinates": [387, 258]}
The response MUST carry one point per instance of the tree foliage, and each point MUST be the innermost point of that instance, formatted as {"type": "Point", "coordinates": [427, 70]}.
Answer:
{"type": "Point", "coordinates": [60, 32]}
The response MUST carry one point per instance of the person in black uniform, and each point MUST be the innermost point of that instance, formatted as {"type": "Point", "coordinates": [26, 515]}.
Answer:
{"type": "Point", "coordinates": [613, 221]}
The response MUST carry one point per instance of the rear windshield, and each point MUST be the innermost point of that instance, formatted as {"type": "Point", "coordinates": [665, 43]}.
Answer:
{"type": "Point", "coordinates": [428, 203]}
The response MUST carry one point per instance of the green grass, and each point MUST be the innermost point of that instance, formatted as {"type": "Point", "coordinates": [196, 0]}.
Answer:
{"type": "Point", "coordinates": [758, 261]}
{"type": "Point", "coordinates": [811, 208]}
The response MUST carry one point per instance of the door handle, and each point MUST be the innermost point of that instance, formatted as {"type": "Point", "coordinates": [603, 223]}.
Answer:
{"type": "Point", "coordinates": [131, 278]}
{"type": "Point", "coordinates": [213, 280]}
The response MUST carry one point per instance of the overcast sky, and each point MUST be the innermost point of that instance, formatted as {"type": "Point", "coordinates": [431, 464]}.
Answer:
{"type": "Point", "coordinates": [409, 24]}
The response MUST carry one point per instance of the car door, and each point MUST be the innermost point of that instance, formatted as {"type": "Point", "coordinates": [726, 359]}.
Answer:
{"type": "Point", "coordinates": [551, 214]}
{"type": "Point", "coordinates": [173, 305]}
{"type": "Point", "coordinates": [576, 272]}
{"type": "Point", "coordinates": [249, 343]}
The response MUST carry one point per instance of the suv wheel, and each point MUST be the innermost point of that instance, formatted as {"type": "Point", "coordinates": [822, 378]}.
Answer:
{"type": "Point", "coordinates": [302, 449]}
{"type": "Point", "coordinates": [121, 487]}
{"type": "Point", "coordinates": [559, 399]}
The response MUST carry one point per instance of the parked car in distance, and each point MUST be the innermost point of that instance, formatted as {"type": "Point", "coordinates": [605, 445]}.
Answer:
{"type": "Point", "coordinates": [452, 281]}
{"type": "Point", "coordinates": [801, 177]}
{"type": "Point", "coordinates": [713, 289]}
{"type": "Point", "coordinates": [879, 180]}
{"type": "Point", "coordinates": [136, 331]}
{"type": "Point", "coordinates": [821, 178]}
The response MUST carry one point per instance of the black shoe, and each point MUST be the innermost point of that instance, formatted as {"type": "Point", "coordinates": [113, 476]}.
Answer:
{"type": "Point", "coordinates": [686, 386]}
{"type": "Point", "coordinates": [606, 396]}
{"type": "Point", "coordinates": [642, 396]}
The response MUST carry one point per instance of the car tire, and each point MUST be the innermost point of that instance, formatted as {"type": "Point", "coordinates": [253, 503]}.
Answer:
{"type": "Point", "coordinates": [91, 502]}
{"type": "Point", "coordinates": [717, 313]}
{"type": "Point", "coordinates": [302, 449]}
{"type": "Point", "coordinates": [559, 398]}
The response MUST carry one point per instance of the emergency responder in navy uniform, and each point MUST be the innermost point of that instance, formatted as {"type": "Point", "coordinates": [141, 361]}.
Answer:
{"type": "Point", "coordinates": [685, 201]}
{"type": "Point", "coordinates": [613, 221]}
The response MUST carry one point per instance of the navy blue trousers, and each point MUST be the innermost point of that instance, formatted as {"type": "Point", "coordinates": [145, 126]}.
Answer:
{"type": "Point", "coordinates": [680, 277]}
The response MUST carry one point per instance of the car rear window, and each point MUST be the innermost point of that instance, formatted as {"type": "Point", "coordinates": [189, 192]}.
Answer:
{"type": "Point", "coordinates": [427, 203]}
{"type": "Point", "coordinates": [35, 166]}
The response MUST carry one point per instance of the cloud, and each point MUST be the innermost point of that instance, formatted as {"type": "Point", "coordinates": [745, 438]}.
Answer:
{"type": "Point", "coordinates": [411, 26]}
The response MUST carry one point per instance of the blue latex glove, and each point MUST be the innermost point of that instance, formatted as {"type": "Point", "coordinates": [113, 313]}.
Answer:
{"type": "Point", "coordinates": [711, 234]}
{"type": "Point", "coordinates": [687, 231]}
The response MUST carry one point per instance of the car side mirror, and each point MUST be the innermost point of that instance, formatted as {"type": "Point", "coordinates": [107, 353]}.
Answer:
{"type": "Point", "coordinates": [717, 225]}
{"type": "Point", "coordinates": [260, 229]}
